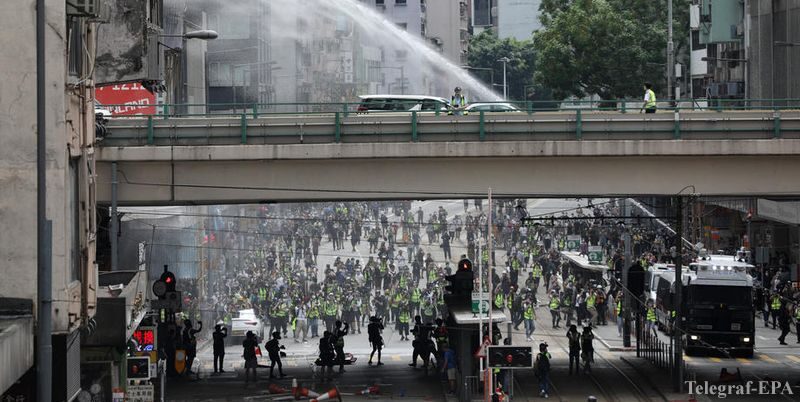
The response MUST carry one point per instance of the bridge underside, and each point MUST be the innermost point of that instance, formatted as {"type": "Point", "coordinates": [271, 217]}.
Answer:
{"type": "Point", "coordinates": [218, 175]}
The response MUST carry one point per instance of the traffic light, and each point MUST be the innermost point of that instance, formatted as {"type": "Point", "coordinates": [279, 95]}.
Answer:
{"type": "Point", "coordinates": [168, 298]}
{"type": "Point", "coordinates": [510, 357]}
{"type": "Point", "coordinates": [165, 284]}
{"type": "Point", "coordinates": [461, 283]}
{"type": "Point", "coordinates": [169, 279]}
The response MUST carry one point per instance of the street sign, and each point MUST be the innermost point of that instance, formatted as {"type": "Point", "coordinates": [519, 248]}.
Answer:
{"type": "Point", "coordinates": [483, 302]}
{"type": "Point", "coordinates": [140, 393]}
{"type": "Point", "coordinates": [595, 255]}
{"type": "Point", "coordinates": [573, 242]}
{"type": "Point", "coordinates": [510, 357]}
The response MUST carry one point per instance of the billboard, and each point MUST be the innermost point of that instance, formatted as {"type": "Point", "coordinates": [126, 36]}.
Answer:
{"type": "Point", "coordinates": [126, 99]}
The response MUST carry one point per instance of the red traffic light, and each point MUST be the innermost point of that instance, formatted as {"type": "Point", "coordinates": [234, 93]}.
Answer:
{"type": "Point", "coordinates": [168, 279]}
{"type": "Point", "coordinates": [509, 359]}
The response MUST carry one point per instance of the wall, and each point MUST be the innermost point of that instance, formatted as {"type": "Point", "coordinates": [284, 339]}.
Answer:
{"type": "Point", "coordinates": [517, 18]}
{"type": "Point", "coordinates": [773, 68]}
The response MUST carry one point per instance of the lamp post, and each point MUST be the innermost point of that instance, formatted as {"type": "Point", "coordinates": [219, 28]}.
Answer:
{"type": "Point", "coordinates": [670, 51]}
{"type": "Point", "coordinates": [504, 60]}
{"type": "Point", "coordinates": [202, 34]}
{"type": "Point", "coordinates": [402, 76]}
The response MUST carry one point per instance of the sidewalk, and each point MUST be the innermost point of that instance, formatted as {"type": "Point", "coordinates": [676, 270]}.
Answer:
{"type": "Point", "coordinates": [609, 337]}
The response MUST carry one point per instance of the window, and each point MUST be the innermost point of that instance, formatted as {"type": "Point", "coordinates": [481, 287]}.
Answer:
{"type": "Point", "coordinates": [400, 2]}
{"type": "Point", "coordinates": [75, 47]}
{"type": "Point", "coordinates": [403, 25]}
{"type": "Point", "coordinates": [379, 2]}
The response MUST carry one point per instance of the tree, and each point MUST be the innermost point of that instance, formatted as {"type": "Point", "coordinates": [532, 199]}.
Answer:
{"type": "Point", "coordinates": [484, 51]}
{"type": "Point", "coordinates": [605, 47]}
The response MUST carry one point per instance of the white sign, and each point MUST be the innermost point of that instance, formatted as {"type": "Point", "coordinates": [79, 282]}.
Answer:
{"type": "Point", "coordinates": [141, 393]}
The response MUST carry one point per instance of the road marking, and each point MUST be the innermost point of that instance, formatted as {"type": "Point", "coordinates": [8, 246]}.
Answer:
{"type": "Point", "coordinates": [793, 358]}
{"type": "Point", "coordinates": [767, 358]}
{"type": "Point", "coordinates": [396, 358]}
{"type": "Point", "coordinates": [744, 361]}
{"type": "Point", "coordinates": [687, 358]}
{"type": "Point", "coordinates": [715, 359]}
{"type": "Point", "coordinates": [762, 338]}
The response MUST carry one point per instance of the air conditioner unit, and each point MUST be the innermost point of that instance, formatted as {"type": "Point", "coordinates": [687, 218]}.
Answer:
{"type": "Point", "coordinates": [88, 8]}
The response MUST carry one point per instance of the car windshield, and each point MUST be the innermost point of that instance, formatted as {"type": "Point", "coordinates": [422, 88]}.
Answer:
{"type": "Point", "coordinates": [714, 295]}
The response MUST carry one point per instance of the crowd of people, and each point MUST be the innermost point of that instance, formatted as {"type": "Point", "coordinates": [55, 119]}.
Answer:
{"type": "Point", "coordinates": [273, 266]}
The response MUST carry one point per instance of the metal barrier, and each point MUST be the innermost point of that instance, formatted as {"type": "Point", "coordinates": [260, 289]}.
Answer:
{"type": "Point", "coordinates": [659, 353]}
{"type": "Point", "coordinates": [471, 389]}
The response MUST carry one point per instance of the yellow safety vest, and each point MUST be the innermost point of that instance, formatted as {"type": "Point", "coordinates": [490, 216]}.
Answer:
{"type": "Point", "coordinates": [651, 314]}
{"type": "Point", "coordinates": [554, 303]}
{"type": "Point", "coordinates": [776, 302]}
{"type": "Point", "coordinates": [652, 102]}
{"type": "Point", "coordinates": [498, 300]}
{"type": "Point", "coordinates": [537, 271]}
{"type": "Point", "coordinates": [590, 301]}
{"type": "Point", "coordinates": [529, 313]}
{"type": "Point", "coordinates": [619, 306]}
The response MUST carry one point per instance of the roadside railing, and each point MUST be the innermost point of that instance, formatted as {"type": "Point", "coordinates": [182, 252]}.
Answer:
{"type": "Point", "coordinates": [338, 122]}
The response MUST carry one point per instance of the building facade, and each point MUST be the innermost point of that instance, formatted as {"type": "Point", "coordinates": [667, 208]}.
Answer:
{"type": "Point", "coordinates": [69, 48]}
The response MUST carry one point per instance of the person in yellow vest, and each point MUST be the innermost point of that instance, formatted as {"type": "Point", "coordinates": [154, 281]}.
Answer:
{"type": "Point", "coordinates": [537, 275]}
{"type": "Point", "coordinates": [775, 308]}
{"type": "Point", "coordinates": [529, 314]}
{"type": "Point", "coordinates": [591, 307]}
{"type": "Point", "coordinates": [651, 320]}
{"type": "Point", "coordinates": [554, 305]}
{"type": "Point", "coordinates": [402, 325]}
{"type": "Point", "coordinates": [458, 102]}
{"type": "Point", "coordinates": [649, 105]}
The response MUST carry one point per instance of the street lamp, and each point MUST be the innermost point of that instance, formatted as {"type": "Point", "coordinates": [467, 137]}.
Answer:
{"type": "Point", "coordinates": [402, 76]}
{"type": "Point", "coordinates": [504, 60]}
{"type": "Point", "coordinates": [204, 34]}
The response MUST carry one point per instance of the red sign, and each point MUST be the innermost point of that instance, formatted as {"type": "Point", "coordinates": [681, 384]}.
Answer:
{"type": "Point", "coordinates": [126, 99]}
{"type": "Point", "coordinates": [145, 338]}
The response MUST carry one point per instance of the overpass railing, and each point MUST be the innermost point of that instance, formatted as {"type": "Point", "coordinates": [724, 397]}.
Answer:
{"type": "Point", "coordinates": [581, 119]}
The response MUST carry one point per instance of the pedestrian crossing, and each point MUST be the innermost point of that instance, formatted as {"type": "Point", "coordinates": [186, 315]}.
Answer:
{"type": "Point", "coordinates": [758, 358]}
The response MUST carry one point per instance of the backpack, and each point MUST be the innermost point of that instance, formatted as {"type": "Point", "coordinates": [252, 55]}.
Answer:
{"type": "Point", "coordinates": [542, 364]}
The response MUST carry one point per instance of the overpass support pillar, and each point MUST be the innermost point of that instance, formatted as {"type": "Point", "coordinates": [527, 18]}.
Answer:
{"type": "Point", "coordinates": [776, 124]}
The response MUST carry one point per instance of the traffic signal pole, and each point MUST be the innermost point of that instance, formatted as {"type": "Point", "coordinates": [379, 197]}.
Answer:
{"type": "Point", "coordinates": [626, 266]}
{"type": "Point", "coordinates": [489, 247]}
{"type": "Point", "coordinates": [677, 338]}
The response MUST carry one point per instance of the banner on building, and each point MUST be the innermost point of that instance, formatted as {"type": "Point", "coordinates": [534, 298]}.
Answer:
{"type": "Point", "coordinates": [126, 99]}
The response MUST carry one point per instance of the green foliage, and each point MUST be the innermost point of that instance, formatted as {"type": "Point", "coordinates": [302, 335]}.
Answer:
{"type": "Point", "coordinates": [484, 51]}
{"type": "Point", "coordinates": [605, 47]}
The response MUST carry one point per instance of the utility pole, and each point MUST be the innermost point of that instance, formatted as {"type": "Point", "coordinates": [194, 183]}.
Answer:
{"type": "Point", "coordinates": [628, 259]}
{"type": "Point", "coordinates": [489, 248]}
{"type": "Point", "coordinates": [677, 338]}
{"type": "Point", "coordinates": [670, 51]}
{"type": "Point", "coordinates": [44, 227]}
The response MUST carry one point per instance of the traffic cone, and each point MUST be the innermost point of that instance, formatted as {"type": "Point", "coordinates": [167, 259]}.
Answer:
{"type": "Point", "coordinates": [294, 386]}
{"type": "Point", "coordinates": [304, 392]}
{"type": "Point", "coordinates": [369, 391]}
{"type": "Point", "coordinates": [277, 389]}
{"type": "Point", "coordinates": [334, 393]}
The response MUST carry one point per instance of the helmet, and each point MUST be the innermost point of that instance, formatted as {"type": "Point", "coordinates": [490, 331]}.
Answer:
{"type": "Point", "coordinates": [458, 89]}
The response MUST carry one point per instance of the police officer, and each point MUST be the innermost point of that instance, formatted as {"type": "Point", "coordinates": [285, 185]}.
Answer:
{"type": "Point", "coordinates": [458, 102]}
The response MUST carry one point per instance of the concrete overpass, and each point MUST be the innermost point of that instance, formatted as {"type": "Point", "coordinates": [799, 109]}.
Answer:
{"type": "Point", "coordinates": [333, 156]}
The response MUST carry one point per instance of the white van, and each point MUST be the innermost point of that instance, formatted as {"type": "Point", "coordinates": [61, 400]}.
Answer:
{"type": "Point", "coordinates": [402, 103]}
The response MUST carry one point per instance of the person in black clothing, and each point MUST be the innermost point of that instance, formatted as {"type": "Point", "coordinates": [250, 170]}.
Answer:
{"type": "Point", "coordinates": [219, 335]}
{"type": "Point", "coordinates": [374, 331]}
{"type": "Point", "coordinates": [190, 342]}
{"type": "Point", "coordinates": [326, 353]}
{"type": "Point", "coordinates": [249, 353]}
{"type": "Point", "coordinates": [421, 342]}
{"type": "Point", "coordinates": [784, 321]}
{"type": "Point", "coordinates": [338, 336]}
{"type": "Point", "coordinates": [574, 348]}
{"type": "Point", "coordinates": [587, 348]}
{"type": "Point", "coordinates": [274, 347]}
